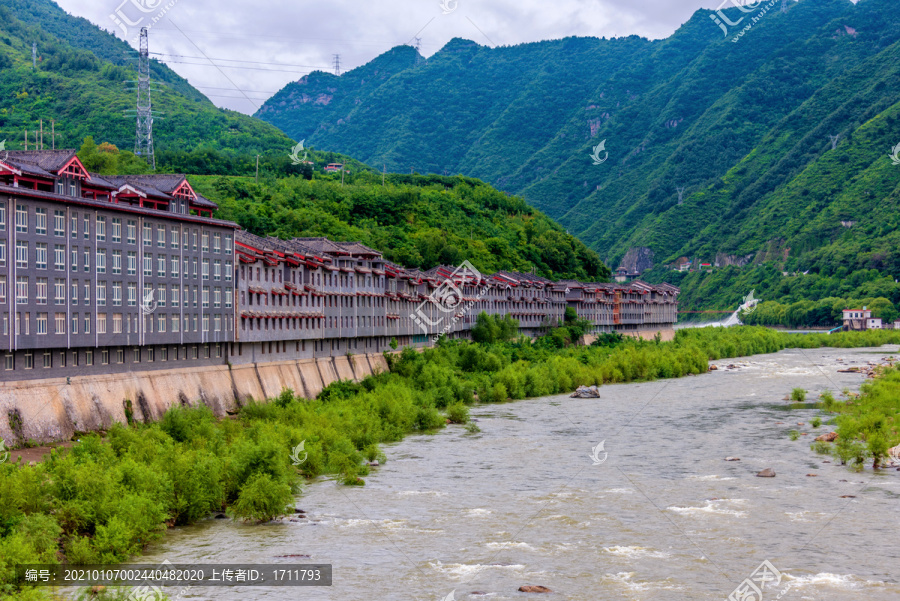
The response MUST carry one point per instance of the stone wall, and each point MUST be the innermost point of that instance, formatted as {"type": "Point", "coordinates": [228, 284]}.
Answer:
{"type": "Point", "coordinates": [666, 334]}
{"type": "Point", "coordinates": [54, 409]}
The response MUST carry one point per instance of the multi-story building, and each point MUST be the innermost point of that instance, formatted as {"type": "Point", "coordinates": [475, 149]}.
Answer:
{"type": "Point", "coordinates": [108, 272]}
{"type": "Point", "coordinates": [132, 273]}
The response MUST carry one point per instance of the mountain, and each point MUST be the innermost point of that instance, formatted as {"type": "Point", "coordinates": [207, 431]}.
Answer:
{"type": "Point", "coordinates": [416, 221]}
{"type": "Point", "coordinates": [741, 121]}
{"type": "Point", "coordinates": [82, 83]}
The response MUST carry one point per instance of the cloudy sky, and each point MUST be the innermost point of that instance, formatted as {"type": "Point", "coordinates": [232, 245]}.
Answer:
{"type": "Point", "coordinates": [239, 53]}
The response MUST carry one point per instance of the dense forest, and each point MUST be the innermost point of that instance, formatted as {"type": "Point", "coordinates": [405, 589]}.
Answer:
{"type": "Point", "coordinates": [416, 221]}
{"type": "Point", "coordinates": [780, 141]}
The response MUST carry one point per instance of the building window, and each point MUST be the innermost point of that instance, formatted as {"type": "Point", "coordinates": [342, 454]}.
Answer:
{"type": "Point", "coordinates": [151, 354]}
{"type": "Point", "coordinates": [2, 253]}
{"type": "Point", "coordinates": [117, 323]}
{"type": "Point", "coordinates": [104, 357]}
{"type": "Point", "coordinates": [59, 223]}
{"type": "Point", "coordinates": [164, 353]}
{"type": "Point", "coordinates": [88, 357]}
{"type": "Point", "coordinates": [161, 266]}
{"type": "Point", "coordinates": [48, 360]}
{"type": "Point", "coordinates": [41, 291]}
{"type": "Point", "coordinates": [60, 323]}
{"type": "Point", "coordinates": [101, 260]}
{"type": "Point", "coordinates": [116, 230]}
{"type": "Point", "coordinates": [41, 324]}
{"type": "Point", "coordinates": [101, 228]}
{"type": "Point", "coordinates": [87, 260]}
{"type": "Point", "coordinates": [74, 225]}
{"type": "Point", "coordinates": [137, 354]}
{"type": "Point", "coordinates": [40, 255]}
{"type": "Point", "coordinates": [132, 294]}
{"type": "Point", "coordinates": [117, 262]}
{"type": "Point", "coordinates": [173, 237]}
{"type": "Point", "coordinates": [205, 269]}
{"type": "Point", "coordinates": [59, 257]}
{"type": "Point", "coordinates": [217, 323]}
{"type": "Point", "coordinates": [29, 360]}
{"type": "Point", "coordinates": [205, 242]}
{"type": "Point", "coordinates": [174, 264]}
{"type": "Point", "coordinates": [206, 297]}
{"type": "Point", "coordinates": [101, 295]}
{"type": "Point", "coordinates": [59, 291]}
{"type": "Point", "coordinates": [227, 244]}
{"type": "Point", "coordinates": [120, 355]}
{"type": "Point", "coordinates": [131, 231]}
{"type": "Point", "coordinates": [3, 289]}
{"type": "Point", "coordinates": [117, 294]}
{"type": "Point", "coordinates": [161, 236]}
{"type": "Point", "coordinates": [160, 323]}
{"type": "Point", "coordinates": [87, 323]}
{"type": "Point", "coordinates": [148, 235]}
{"type": "Point", "coordinates": [21, 219]}
{"type": "Point", "coordinates": [228, 293]}
{"type": "Point", "coordinates": [74, 261]}
{"type": "Point", "coordinates": [217, 270]}
{"type": "Point", "coordinates": [21, 254]}
{"type": "Point", "coordinates": [74, 358]}
{"type": "Point", "coordinates": [75, 325]}
{"type": "Point", "coordinates": [206, 323]}
{"type": "Point", "coordinates": [175, 324]}
{"type": "Point", "coordinates": [161, 297]}
{"type": "Point", "coordinates": [2, 217]}
{"type": "Point", "coordinates": [40, 221]}
{"type": "Point", "coordinates": [217, 297]}
{"type": "Point", "coordinates": [132, 262]}
{"type": "Point", "coordinates": [87, 227]}
{"type": "Point", "coordinates": [148, 265]}
{"type": "Point", "coordinates": [9, 363]}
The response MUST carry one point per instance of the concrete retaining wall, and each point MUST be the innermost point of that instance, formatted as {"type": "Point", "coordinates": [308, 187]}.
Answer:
{"type": "Point", "coordinates": [666, 334]}
{"type": "Point", "coordinates": [53, 409]}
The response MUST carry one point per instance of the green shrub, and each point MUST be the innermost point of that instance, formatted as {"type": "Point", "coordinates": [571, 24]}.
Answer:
{"type": "Point", "coordinates": [458, 413]}
{"type": "Point", "coordinates": [816, 422]}
{"type": "Point", "coordinates": [262, 498]}
{"type": "Point", "coordinates": [798, 395]}
{"type": "Point", "coordinates": [794, 435]}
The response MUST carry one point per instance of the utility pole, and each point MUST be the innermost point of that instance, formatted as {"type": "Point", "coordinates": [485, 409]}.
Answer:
{"type": "Point", "coordinates": [680, 191]}
{"type": "Point", "coordinates": [53, 133]}
{"type": "Point", "coordinates": [34, 56]}
{"type": "Point", "coordinates": [143, 140]}
{"type": "Point", "coordinates": [257, 169]}
{"type": "Point", "coordinates": [383, 172]}
{"type": "Point", "coordinates": [42, 134]}
{"type": "Point", "coordinates": [342, 175]}
{"type": "Point", "coordinates": [26, 139]}
{"type": "Point", "coordinates": [834, 140]}
{"type": "Point", "coordinates": [337, 65]}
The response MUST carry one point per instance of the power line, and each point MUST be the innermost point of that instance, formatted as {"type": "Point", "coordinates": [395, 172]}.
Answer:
{"type": "Point", "coordinates": [234, 60]}
{"type": "Point", "coordinates": [211, 64]}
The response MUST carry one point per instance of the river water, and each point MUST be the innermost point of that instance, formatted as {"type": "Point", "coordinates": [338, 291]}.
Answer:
{"type": "Point", "coordinates": [662, 516]}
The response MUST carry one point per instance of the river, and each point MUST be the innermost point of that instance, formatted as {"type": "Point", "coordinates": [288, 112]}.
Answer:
{"type": "Point", "coordinates": [661, 516]}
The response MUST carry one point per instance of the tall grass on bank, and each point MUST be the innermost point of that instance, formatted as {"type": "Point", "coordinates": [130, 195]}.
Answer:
{"type": "Point", "coordinates": [868, 425]}
{"type": "Point", "coordinates": [109, 496]}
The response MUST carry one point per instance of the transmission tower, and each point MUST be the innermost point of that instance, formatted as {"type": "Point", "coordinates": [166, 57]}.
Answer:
{"type": "Point", "coordinates": [143, 142]}
{"type": "Point", "coordinates": [784, 6]}
{"type": "Point", "coordinates": [34, 56]}
{"type": "Point", "coordinates": [680, 191]}
{"type": "Point", "coordinates": [337, 64]}
{"type": "Point", "coordinates": [834, 140]}
{"type": "Point", "coordinates": [417, 46]}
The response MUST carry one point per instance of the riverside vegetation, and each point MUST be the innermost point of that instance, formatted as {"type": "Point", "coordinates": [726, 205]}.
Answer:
{"type": "Point", "coordinates": [113, 493]}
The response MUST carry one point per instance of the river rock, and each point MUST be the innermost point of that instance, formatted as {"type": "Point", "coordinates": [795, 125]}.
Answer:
{"type": "Point", "coordinates": [713, 368]}
{"type": "Point", "coordinates": [586, 392]}
{"type": "Point", "coordinates": [830, 437]}
{"type": "Point", "coordinates": [732, 459]}
{"type": "Point", "coordinates": [766, 473]}
{"type": "Point", "coordinates": [534, 588]}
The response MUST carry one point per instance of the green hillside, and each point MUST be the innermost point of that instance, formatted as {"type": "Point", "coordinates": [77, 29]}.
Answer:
{"type": "Point", "coordinates": [742, 125]}
{"type": "Point", "coordinates": [416, 221]}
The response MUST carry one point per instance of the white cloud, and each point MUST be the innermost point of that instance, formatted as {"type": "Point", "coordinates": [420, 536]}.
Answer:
{"type": "Point", "coordinates": [261, 46]}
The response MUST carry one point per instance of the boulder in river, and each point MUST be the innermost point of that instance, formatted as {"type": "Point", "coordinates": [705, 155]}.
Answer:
{"type": "Point", "coordinates": [766, 473]}
{"type": "Point", "coordinates": [534, 588]}
{"type": "Point", "coordinates": [713, 368]}
{"type": "Point", "coordinates": [830, 437]}
{"type": "Point", "coordinates": [586, 392]}
{"type": "Point", "coordinates": [732, 459]}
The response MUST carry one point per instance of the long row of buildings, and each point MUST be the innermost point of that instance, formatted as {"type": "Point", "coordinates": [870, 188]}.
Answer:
{"type": "Point", "coordinates": [128, 273]}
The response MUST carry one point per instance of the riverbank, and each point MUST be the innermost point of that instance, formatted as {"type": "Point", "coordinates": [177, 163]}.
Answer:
{"type": "Point", "coordinates": [108, 497]}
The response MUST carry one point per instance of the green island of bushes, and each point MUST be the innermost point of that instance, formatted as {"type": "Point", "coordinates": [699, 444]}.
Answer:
{"type": "Point", "coordinates": [106, 498]}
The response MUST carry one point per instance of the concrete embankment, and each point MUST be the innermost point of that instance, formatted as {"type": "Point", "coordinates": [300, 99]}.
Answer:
{"type": "Point", "coordinates": [54, 409]}
{"type": "Point", "coordinates": [665, 334]}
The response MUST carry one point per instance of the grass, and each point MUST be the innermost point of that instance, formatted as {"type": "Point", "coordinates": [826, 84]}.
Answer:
{"type": "Point", "coordinates": [798, 395]}
{"type": "Point", "coordinates": [106, 498]}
